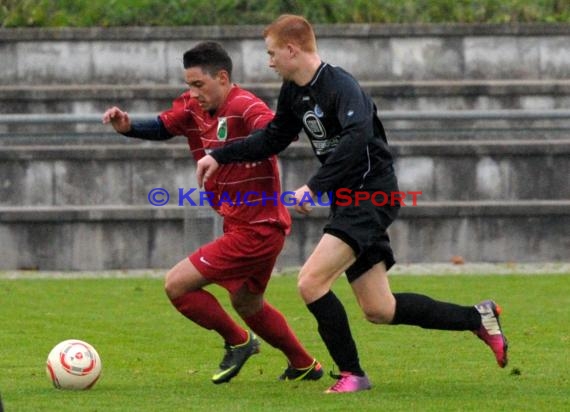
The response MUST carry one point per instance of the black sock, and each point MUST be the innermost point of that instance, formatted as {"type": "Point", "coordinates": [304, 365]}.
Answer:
{"type": "Point", "coordinates": [423, 311]}
{"type": "Point", "coordinates": [335, 332]}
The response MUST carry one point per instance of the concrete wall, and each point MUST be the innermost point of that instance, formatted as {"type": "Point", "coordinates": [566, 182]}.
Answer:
{"type": "Point", "coordinates": [491, 191]}
{"type": "Point", "coordinates": [370, 52]}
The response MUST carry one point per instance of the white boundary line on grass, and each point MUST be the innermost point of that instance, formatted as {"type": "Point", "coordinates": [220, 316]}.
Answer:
{"type": "Point", "coordinates": [431, 269]}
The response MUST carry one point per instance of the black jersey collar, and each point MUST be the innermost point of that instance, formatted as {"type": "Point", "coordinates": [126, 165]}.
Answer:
{"type": "Point", "coordinates": [317, 74]}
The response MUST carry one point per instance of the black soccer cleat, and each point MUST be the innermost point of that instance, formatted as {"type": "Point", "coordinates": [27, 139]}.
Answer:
{"type": "Point", "coordinates": [235, 358]}
{"type": "Point", "coordinates": [312, 373]}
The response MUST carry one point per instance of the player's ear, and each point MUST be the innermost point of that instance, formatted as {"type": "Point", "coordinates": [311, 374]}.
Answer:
{"type": "Point", "coordinates": [224, 76]}
{"type": "Point", "coordinates": [292, 49]}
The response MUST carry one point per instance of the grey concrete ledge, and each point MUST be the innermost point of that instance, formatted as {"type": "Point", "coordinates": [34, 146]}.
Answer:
{"type": "Point", "coordinates": [136, 213]}
{"type": "Point", "coordinates": [90, 91]}
{"type": "Point", "coordinates": [466, 87]}
{"type": "Point", "coordinates": [479, 148]}
{"type": "Point", "coordinates": [447, 209]}
{"type": "Point", "coordinates": [93, 213]}
{"type": "Point", "coordinates": [458, 148]}
{"type": "Point", "coordinates": [255, 31]}
{"type": "Point", "coordinates": [488, 208]}
{"type": "Point", "coordinates": [406, 269]}
{"type": "Point", "coordinates": [295, 151]}
{"type": "Point", "coordinates": [96, 152]}
{"type": "Point", "coordinates": [380, 88]}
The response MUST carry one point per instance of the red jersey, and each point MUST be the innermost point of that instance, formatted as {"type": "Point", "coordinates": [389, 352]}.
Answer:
{"type": "Point", "coordinates": [244, 193]}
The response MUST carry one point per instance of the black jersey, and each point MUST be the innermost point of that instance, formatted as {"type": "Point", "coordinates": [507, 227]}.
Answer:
{"type": "Point", "coordinates": [340, 121]}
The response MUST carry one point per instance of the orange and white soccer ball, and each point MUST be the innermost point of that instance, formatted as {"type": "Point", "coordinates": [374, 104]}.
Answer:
{"type": "Point", "coordinates": [73, 364]}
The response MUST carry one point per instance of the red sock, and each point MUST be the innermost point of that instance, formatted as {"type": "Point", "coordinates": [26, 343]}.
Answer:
{"type": "Point", "coordinates": [202, 308]}
{"type": "Point", "coordinates": [272, 327]}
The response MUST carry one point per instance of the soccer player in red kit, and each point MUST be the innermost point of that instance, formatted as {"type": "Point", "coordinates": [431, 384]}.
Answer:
{"type": "Point", "coordinates": [211, 114]}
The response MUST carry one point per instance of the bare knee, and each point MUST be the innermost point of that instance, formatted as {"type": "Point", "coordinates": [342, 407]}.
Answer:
{"type": "Point", "coordinates": [378, 317]}
{"type": "Point", "coordinates": [310, 286]}
{"type": "Point", "coordinates": [380, 314]}
{"type": "Point", "coordinates": [303, 287]}
{"type": "Point", "coordinates": [172, 287]}
{"type": "Point", "coordinates": [182, 278]}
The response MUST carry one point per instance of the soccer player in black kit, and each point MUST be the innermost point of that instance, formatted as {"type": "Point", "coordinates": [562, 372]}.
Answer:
{"type": "Point", "coordinates": [347, 137]}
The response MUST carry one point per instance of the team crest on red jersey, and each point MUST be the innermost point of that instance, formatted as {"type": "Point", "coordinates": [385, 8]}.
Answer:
{"type": "Point", "coordinates": [222, 128]}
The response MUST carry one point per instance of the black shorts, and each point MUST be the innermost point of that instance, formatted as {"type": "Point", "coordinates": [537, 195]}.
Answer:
{"type": "Point", "coordinates": [363, 228]}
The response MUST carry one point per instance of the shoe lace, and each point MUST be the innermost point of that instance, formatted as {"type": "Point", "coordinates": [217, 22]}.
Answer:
{"type": "Point", "coordinates": [489, 322]}
{"type": "Point", "coordinates": [342, 379]}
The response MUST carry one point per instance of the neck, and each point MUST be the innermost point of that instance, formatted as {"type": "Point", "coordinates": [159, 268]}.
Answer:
{"type": "Point", "coordinates": [307, 70]}
{"type": "Point", "coordinates": [223, 98]}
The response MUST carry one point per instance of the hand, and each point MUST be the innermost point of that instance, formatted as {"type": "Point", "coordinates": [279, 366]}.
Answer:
{"type": "Point", "coordinates": [119, 120]}
{"type": "Point", "coordinates": [205, 169]}
{"type": "Point", "coordinates": [304, 200]}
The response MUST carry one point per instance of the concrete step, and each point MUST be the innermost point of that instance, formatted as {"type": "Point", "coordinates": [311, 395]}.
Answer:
{"type": "Point", "coordinates": [133, 237]}
{"type": "Point", "coordinates": [124, 174]}
{"type": "Point", "coordinates": [466, 170]}
{"type": "Point", "coordinates": [391, 97]}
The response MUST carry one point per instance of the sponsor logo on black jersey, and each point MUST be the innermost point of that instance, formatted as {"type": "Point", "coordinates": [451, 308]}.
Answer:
{"type": "Point", "coordinates": [314, 126]}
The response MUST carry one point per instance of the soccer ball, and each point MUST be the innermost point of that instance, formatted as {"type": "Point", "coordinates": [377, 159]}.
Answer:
{"type": "Point", "coordinates": [73, 364]}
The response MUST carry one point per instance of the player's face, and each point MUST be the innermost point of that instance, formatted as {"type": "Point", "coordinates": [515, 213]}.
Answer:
{"type": "Point", "coordinates": [279, 58]}
{"type": "Point", "coordinates": [209, 91]}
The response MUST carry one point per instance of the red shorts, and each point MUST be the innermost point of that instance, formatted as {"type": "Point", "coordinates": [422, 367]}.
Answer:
{"type": "Point", "coordinates": [243, 255]}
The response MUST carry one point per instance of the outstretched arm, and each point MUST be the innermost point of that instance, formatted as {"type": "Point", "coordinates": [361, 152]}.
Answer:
{"type": "Point", "coordinates": [149, 129]}
{"type": "Point", "coordinates": [259, 145]}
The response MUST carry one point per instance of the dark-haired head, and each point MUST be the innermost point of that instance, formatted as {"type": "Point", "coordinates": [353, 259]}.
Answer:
{"type": "Point", "coordinates": [210, 56]}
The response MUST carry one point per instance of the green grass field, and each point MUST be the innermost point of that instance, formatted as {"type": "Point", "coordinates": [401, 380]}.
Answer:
{"type": "Point", "coordinates": [155, 360]}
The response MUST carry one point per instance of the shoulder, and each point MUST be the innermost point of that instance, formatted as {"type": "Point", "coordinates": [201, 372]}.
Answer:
{"type": "Point", "coordinates": [337, 74]}
{"type": "Point", "coordinates": [185, 102]}
{"type": "Point", "coordinates": [237, 95]}
{"type": "Point", "coordinates": [241, 100]}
